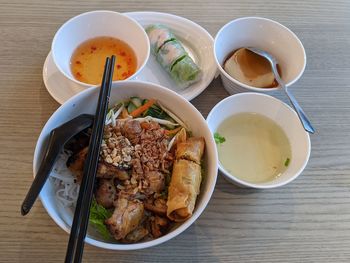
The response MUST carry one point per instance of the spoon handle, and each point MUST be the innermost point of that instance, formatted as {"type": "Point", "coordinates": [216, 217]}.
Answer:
{"type": "Point", "coordinates": [51, 154]}
{"type": "Point", "coordinates": [301, 114]}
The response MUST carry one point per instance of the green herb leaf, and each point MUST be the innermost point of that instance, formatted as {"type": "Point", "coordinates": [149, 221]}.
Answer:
{"type": "Point", "coordinates": [218, 138]}
{"type": "Point", "coordinates": [98, 215]}
{"type": "Point", "coordinates": [101, 228]}
{"type": "Point", "coordinates": [286, 163]}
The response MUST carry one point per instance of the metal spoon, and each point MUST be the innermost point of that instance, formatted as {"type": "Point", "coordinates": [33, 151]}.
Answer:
{"type": "Point", "coordinates": [302, 116]}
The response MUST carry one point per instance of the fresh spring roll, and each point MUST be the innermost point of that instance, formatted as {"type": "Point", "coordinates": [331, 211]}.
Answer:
{"type": "Point", "coordinates": [183, 190]}
{"type": "Point", "coordinates": [185, 72]}
{"type": "Point", "coordinates": [192, 149]}
{"type": "Point", "coordinates": [172, 56]}
{"type": "Point", "coordinates": [169, 53]}
{"type": "Point", "coordinates": [158, 35]}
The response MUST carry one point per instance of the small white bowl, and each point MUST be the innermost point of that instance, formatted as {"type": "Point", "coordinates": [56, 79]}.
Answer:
{"type": "Point", "coordinates": [264, 34]}
{"type": "Point", "coordinates": [280, 113]}
{"type": "Point", "coordinates": [94, 24]}
{"type": "Point", "coordinates": [85, 102]}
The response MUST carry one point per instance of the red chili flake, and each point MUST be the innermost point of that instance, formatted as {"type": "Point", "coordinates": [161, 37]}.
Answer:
{"type": "Point", "coordinates": [124, 74]}
{"type": "Point", "coordinates": [82, 53]}
{"type": "Point", "coordinates": [77, 62]}
{"type": "Point", "coordinates": [79, 74]}
{"type": "Point", "coordinates": [123, 54]}
{"type": "Point", "coordinates": [119, 66]}
{"type": "Point", "coordinates": [93, 48]}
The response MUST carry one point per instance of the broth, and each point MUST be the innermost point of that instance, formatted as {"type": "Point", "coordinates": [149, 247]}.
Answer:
{"type": "Point", "coordinates": [256, 149]}
{"type": "Point", "coordinates": [88, 60]}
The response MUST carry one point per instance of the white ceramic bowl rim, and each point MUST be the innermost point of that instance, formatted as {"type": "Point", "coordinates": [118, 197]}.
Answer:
{"type": "Point", "coordinates": [183, 226]}
{"type": "Point", "coordinates": [251, 87]}
{"type": "Point", "coordinates": [94, 12]}
{"type": "Point", "coordinates": [253, 185]}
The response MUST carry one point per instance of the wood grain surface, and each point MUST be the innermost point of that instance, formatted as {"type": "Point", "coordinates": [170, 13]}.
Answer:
{"type": "Point", "coordinates": [305, 221]}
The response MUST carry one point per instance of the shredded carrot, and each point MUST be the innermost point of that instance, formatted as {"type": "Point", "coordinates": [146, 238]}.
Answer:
{"type": "Point", "coordinates": [124, 114]}
{"type": "Point", "coordinates": [143, 108]}
{"type": "Point", "coordinates": [172, 132]}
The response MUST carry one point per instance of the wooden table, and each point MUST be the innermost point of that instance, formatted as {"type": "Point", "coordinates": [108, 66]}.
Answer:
{"type": "Point", "coordinates": [305, 221]}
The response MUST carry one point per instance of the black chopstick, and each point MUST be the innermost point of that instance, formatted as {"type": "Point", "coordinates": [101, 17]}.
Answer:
{"type": "Point", "coordinates": [81, 216]}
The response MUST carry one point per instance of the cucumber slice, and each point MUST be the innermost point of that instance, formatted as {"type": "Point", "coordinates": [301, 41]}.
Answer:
{"type": "Point", "coordinates": [155, 112]}
{"type": "Point", "coordinates": [136, 101]}
{"type": "Point", "coordinates": [131, 107]}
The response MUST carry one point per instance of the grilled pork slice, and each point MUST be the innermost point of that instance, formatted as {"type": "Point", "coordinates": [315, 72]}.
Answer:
{"type": "Point", "coordinates": [157, 206]}
{"type": "Point", "coordinates": [105, 193]}
{"type": "Point", "coordinates": [126, 217]}
{"type": "Point", "coordinates": [75, 164]}
{"type": "Point", "coordinates": [159, 226]}
{"type": "Point", "coordinates": [156, 182]}
{"type": "Point", "coordinates": [132, 131]}
{"type": "Point", "coordinates": [108, 171]}
{"type": "Point", "coordinates": [136, 235]}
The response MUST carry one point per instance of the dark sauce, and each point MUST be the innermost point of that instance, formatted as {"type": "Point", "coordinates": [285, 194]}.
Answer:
{"type": "Point", "coordinates": [253, 65]}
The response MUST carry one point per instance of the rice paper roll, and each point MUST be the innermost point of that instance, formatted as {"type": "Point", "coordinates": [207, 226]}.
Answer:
{"type": "Point", "coordinates": [192, 149]}
{"type": "Point", "coordinates": [183, 190]}
{"type": "Point", "coordinates": [185, 72]}
{"type": "Point", "coordinates": [158, 35]}
{"type": "Point", "coordinates": [169, 53]}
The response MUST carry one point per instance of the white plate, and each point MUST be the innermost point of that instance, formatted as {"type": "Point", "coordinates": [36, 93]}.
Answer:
{"type": "Point", "coordinates": [196, 40]}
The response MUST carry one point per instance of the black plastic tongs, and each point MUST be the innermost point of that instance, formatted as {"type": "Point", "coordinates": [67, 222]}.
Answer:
{"type": "Point", "coordinates": [58, 138]}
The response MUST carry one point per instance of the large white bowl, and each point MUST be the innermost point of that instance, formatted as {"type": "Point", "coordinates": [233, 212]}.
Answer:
{"type": "Point", "coordinates": [280, 113]}
{"type": "Point", "coordinates": [94, 24]}
{"type": "Point", "coordinates": [85, 102]}
{"type": "Point", "coordinates": [264, 34]}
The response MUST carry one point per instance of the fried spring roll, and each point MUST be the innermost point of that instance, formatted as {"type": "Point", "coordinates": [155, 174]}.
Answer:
{"type": "Point", "coordinates": [183, 190]}
{"type": "Point", "coordinates": [192, 149]}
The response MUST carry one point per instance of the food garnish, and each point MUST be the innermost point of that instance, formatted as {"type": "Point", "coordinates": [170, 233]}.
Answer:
{"type": "Point", "coordinates": [218, 138]}
{"type": "Point", "coordinates": [286, 163]}
{"type": "Point", "coordinates": [98, 215]}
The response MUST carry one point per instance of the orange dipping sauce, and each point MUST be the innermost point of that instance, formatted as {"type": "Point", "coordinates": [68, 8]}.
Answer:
{"type": "Point", "coordinates": [88, 60]}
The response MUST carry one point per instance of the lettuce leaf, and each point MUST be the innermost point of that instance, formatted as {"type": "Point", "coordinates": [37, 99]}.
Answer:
{"type": "Point", "coordinates": [98, 215]}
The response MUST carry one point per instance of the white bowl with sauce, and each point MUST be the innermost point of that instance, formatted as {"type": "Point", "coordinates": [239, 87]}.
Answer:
{"type": "Point", "coordinates": [94, 25]}
{"type": "Point", "coordinates": [264, 34]}
{"type": "Point", "coordinates": [265, 147]}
